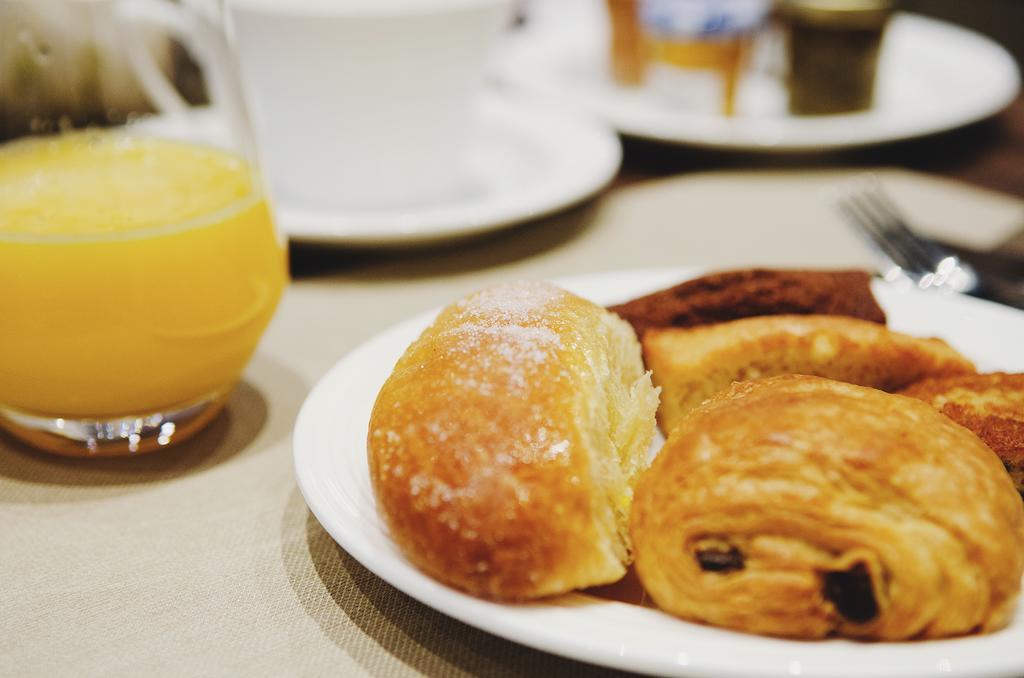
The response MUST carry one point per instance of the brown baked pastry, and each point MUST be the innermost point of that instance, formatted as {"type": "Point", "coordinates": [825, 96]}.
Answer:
{"type": "Point", "coordinates": [804, 507]}
{"type": "Point", "coordinates": [731, 295]}
{"type": "Point", "coordinates": [692, 364]}
{"type": "Point", "coordinates": [504, 446]}
{"type": "Point", "coordinates": [990, 405]}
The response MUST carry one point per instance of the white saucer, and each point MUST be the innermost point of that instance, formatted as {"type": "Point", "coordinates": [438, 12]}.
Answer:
{"type": "Point", "coordinates": [331, 468]}
{"type": "Point", "coordinates": [933, 76]}
{"type": "Point", "coordinates": [529, 159]}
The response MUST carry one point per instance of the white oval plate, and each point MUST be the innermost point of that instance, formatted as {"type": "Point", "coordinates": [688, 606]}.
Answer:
{"type": "Point", "coordinates": [331, 467]}
{"type": "Point", "coordinates": [528, 159]}
{"type": "Point", "coordinates": [933, 76]}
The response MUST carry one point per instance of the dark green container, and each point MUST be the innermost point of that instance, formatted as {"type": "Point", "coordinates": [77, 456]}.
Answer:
{"type": "Point", "coordinates": [832, 48]}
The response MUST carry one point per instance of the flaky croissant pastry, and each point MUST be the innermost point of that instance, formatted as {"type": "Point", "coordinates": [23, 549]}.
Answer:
{"type": "Point", "coordinates": [804, 507]}
{"type": "Point", "coordinates": [692, 364]}
{"type": "Point", "coordinates": [990, 405]}
{"type": "Point", "coordinates": [504, 447]}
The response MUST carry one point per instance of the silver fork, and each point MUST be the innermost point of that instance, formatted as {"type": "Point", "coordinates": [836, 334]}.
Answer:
{"type": "Point", "coordinates": [906, 255]}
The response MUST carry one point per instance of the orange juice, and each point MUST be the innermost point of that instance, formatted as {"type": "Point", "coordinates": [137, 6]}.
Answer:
{"type": "Point", "coordinates": [136, 274]}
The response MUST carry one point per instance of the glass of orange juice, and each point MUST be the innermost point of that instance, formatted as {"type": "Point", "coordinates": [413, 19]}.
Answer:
{"type": "Point", "coordinates": [139, 264]}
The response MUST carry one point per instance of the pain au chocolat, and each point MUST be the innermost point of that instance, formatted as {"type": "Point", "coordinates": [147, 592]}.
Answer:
{"type": "Point", "coordinates": [803, 507]}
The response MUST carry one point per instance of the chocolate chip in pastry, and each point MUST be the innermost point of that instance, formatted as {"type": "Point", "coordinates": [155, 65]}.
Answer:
{"type": "Point", "coordinates": [803, 507]}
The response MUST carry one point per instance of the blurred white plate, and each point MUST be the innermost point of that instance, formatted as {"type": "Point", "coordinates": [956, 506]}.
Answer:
{"type": "Point", "coordinates": [331, 468]}
{"type": "Point", "coordinates": [933, 76]}
{"type": "Point", "coordinates": [529, 159]}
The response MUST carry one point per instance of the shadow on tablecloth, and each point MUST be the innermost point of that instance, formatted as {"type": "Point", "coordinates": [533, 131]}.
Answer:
{"type": "Point", "coordinates": [476, 253]}
{"type": "Point", "coordinates": [30, 476]}
{"type": "Point", "coordinates": [350, 604]}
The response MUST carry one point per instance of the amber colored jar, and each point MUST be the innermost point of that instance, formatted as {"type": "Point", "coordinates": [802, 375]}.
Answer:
{"type": "Point", "coordinates": [697, 48]}
{"type": "Point", "coordinates": [832, 48]}
{"type": "Point", "coordinates": [627, 48]}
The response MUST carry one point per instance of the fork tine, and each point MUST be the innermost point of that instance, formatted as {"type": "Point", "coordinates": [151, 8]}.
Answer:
{"type": "Point", "coordinates": [920, 249]}
{"type": "Point", "coordinates": [870, 211]}
{"type": "Point", "coordinates": [910, 257]}
{"type": "Point", "coordinates": [865, 224]}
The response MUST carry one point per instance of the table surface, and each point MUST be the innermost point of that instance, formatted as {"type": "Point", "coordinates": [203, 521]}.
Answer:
{"type": "Point", "coordinates": [203, 560]}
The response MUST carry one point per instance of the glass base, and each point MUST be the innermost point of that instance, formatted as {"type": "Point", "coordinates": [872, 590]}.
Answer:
{"type": "Point", "coordinates": [128, 435]}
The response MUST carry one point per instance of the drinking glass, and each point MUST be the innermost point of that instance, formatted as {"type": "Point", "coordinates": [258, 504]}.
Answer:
{"type": "Point", "coordinates": [139, 263]}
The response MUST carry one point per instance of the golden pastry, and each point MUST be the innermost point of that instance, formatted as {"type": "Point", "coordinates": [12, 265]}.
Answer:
{"type": "Point", "coordinates": [805, 507]}
{"type": "Point", "coordinates": [990, 405]}
{"type": "Point", "coordinates": [504, 446]}
{"type": "Point", "coordinates": [692, 364]}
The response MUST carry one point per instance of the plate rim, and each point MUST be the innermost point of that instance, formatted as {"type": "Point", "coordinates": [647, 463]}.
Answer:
{"type": "Point", "coordinates": [993, 102]}
{"type": "Point", "coordinates": [473, 611]}
{"type": "Point", "coordinates": [426, 225]}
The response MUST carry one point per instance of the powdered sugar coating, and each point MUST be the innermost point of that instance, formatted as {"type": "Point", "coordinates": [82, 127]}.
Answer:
{"type": "Point", "coordinates": [482, 444]}
{"type": "Point", "coordinates": [505, 318]}
{"type": "Point", "coordinates": [502, 331]}
{"type": "Point", "coordinates": [498, 343]}
{"type": "Point", "coordinates": [513, 343]}
{"type": "Point", "coordinates": [510, 303]}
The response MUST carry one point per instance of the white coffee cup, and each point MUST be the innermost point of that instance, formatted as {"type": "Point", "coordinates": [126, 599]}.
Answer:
{"type": "Point", "coordinates": [364, 103]}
